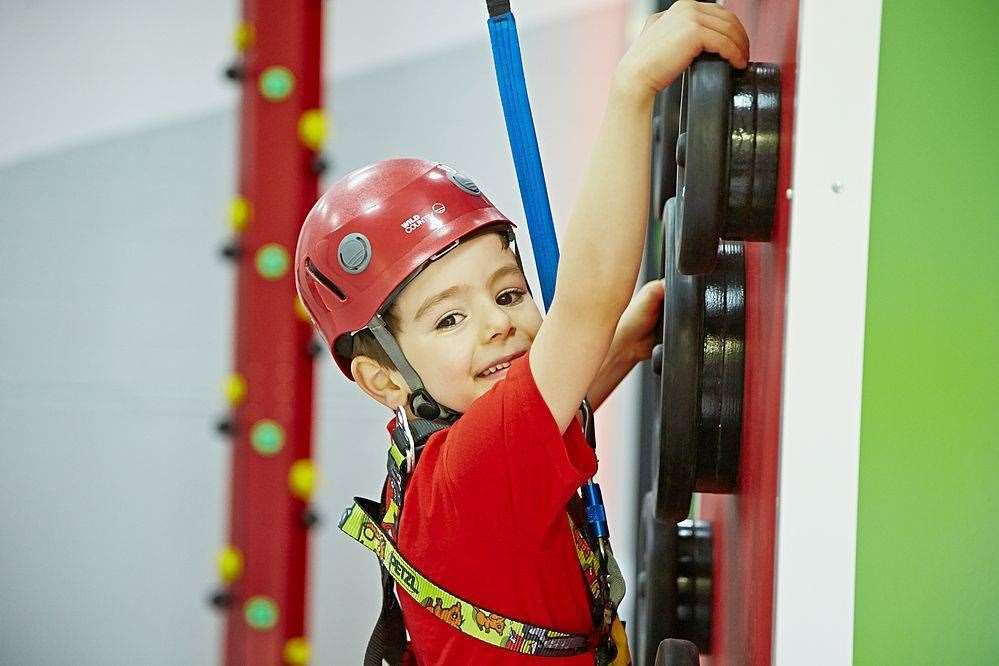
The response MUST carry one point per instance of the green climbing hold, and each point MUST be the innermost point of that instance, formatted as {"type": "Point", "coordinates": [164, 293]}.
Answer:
{"type": "Point", "coordinates": [261, 613]}
{"type": "Point", "coordinates": [272, 261]}
{"type": "Point", "coordinates": [276, 83]}
{"type": "Point", "coordinates": [267, 437]}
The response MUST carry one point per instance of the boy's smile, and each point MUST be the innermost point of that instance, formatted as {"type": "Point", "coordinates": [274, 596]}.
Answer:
{"type": "Point", "coordinates": [465, 318]}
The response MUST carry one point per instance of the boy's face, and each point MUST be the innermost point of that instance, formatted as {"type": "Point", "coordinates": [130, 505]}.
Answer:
{"type": "Point", "coordinates": [464, 314]}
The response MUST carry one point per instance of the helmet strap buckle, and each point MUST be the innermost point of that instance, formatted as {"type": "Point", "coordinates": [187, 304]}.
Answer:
{"type": "Point", "coordinates": [420, 401]}
{"type": "Point", "coordinates": [402, 421]}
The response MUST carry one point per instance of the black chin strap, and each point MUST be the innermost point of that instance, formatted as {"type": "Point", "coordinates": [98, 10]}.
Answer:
{"type": "Point", "coordinates": [420, 400]}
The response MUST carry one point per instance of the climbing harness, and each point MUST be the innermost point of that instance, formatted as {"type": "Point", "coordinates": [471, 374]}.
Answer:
{"type": "Point", "coordinates": [376, 526]}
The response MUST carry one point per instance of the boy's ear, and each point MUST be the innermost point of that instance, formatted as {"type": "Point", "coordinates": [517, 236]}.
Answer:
{"type": "Point", "coordinates": [380, 383]}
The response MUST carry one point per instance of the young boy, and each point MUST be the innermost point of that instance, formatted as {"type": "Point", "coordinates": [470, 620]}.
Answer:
{"type": "Point", "coordinates": [412, 278]}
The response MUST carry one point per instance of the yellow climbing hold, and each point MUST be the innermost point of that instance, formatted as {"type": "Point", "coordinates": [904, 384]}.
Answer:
{"type": "Point", "coordinates": [302, 479]}
{"type": "Point", "coordinates": [234, 389]}
{"type": "Point", "coordinates": [297, 652]}
{"type": "Point", "coordinates": [312, 128]}
{"type": "Point", "coordinates": [230, 564]}
{"type": "Point", "coordinates": [244, 36]}
{"type": "Point", "coordinates": [301, 310]}
{"type": "Point", "coordinates": [239, 214]}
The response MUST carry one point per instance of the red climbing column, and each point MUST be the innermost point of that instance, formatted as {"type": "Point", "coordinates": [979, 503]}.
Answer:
{"type": "Point", "coordinates": [281, 127]}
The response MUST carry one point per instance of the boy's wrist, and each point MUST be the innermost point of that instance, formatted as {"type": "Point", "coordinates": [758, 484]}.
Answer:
{"type": "Point", "coordinates": [629, 88]}
{"type": "Point", "coordinates": [617, 364]}
{"type": "Point", "coordinates": [624, 356]}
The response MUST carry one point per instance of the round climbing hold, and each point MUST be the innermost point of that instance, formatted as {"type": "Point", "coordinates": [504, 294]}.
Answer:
{"type": "Point", "coordinates": [234, 389]}
{"type": "Point", "coordinates": [297, 652]}
{"type": "Point", "coordinates": [261, 613]}
{"type": "Point", "coordinates": [310, 518]}
{"type": "Point", "coordinates": [230, 564]}
{"type": "Point", "coordinates": [243, 36]}
{"type": "Point", "coordinates": [302, 478]}
{"type": "Point", "coordinates": [220, 598]}
{"type": "Point", "coordinates": [320, 164]}
{"type": "Point", "coordinates": [312, 129]}
{"type": "Point", "coordinates": [225, 426]}
{"type": "Point", "coordinates": [272, 261]}
{"type": "Point", "coordinates": [301, 311]}
{"type": "Point", "coordinates": [267, 437]}
{"type": "Point", "coordinates": [239, 214]}
{"type": "Point", "coordinates": [231, 250]}
{"type": "Point", "coordinates": [235, 71]}
{"type": "Point", "coordinates": [276, 83]}
{"type": "Point", "coordinates": [314, 348]}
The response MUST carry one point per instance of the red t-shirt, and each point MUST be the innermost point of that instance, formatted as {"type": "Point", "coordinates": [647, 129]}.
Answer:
{"type": "Point", "coordinates": [484, 517]}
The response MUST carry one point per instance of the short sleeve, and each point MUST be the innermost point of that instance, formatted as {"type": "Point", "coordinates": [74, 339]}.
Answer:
{"type": "Point", "coordinates": [506, 451]}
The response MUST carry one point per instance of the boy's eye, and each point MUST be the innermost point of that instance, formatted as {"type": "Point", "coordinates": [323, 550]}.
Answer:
{"type": "Point", "coordinates": [510, 297]}
{"type": "Point", "coordinates": [448, 321]}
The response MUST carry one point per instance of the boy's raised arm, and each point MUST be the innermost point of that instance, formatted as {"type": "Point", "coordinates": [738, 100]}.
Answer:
{"type": "Point", "coordinates": [602, 249]}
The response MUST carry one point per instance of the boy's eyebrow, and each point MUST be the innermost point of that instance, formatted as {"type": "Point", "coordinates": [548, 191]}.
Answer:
{"type": "Point", "coordinates": [435, 299]}
{"type": "Point", "coordinates": [504, 271]}
{"type": "Point", "coordinates": [501, 272]}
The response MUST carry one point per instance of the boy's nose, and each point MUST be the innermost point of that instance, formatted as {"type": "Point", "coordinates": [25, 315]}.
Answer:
{"type": "Point", "coordinates": [498, 324]}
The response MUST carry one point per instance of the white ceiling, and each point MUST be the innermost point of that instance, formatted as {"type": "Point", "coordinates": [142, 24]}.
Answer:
{"type": "Point", "coordinates": [73, 71]}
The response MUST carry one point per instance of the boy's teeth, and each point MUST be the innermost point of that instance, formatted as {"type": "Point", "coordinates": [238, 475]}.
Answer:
{"type": "Point", "coordinates": [496, 368]}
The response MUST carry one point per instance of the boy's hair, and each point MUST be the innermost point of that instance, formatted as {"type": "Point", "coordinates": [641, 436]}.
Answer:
{"type": "Point", "coordinates": [363, 343]}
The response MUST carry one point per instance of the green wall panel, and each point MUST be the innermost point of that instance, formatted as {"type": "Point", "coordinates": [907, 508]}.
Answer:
{"type": "Point", "coordinates": [928, 531]}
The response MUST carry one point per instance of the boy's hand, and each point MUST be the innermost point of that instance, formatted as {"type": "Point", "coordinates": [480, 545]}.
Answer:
{"type": "Point", "coordinates": [633, 340]}
{"type": "Point", "coordinates": [670, 41]}
{"type": "Point", "coordinates": [635, 334]}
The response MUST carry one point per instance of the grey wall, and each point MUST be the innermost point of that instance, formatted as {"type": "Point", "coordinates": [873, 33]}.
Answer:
{"type": "Point", "coordinates": [115, 324]}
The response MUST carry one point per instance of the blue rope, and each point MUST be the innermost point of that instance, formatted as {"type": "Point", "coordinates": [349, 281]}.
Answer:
{"type": "Point", "coordinates": [533, 192]}
{"type": "Point", "coordinates": [524, 145]}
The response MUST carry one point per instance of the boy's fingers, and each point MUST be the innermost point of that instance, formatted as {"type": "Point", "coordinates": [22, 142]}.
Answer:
{"type": "Point", "coordinates": [653, 285]}
{"type": "Point", "coordinates": [651, 292]}
{"type": "Point", "coordinates": [725, 14]}
{"type": "Point", "coordinates": [724, 21]}
{"type": "Point", "coordinates": [722, 44]}
{"type": "Point", "coordinates": [721, 26]}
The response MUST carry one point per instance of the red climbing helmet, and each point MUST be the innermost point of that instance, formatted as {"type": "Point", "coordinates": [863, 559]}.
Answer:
{"type": "Point", "coordinates": [372, 230]}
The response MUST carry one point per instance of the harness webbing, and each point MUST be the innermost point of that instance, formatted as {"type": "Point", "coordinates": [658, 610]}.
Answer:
{"type": "Point", "coordinates": [524, 143]}
{"type": "Point", "coordinates": [375, 526]}
{"type": "Point", "coordinates": [360, 523]}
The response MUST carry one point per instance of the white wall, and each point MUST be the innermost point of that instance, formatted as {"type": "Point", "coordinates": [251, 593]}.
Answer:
{"type": "Point", "coordinates": [72, 71]}
{"type": "Point", "coordinates": [115, 321]}
{"type": "Point", "coordinates": [824, 343]}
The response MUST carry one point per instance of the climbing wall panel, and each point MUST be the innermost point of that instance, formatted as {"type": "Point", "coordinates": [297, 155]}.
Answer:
{"type": "Point", "coordinates": [745, 523]}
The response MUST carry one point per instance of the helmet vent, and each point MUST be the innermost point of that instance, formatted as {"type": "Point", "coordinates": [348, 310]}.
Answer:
{"type": "Point", "coordinates": [325, 281]}
{"type": "Point", "coordinates": [464, 183]}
